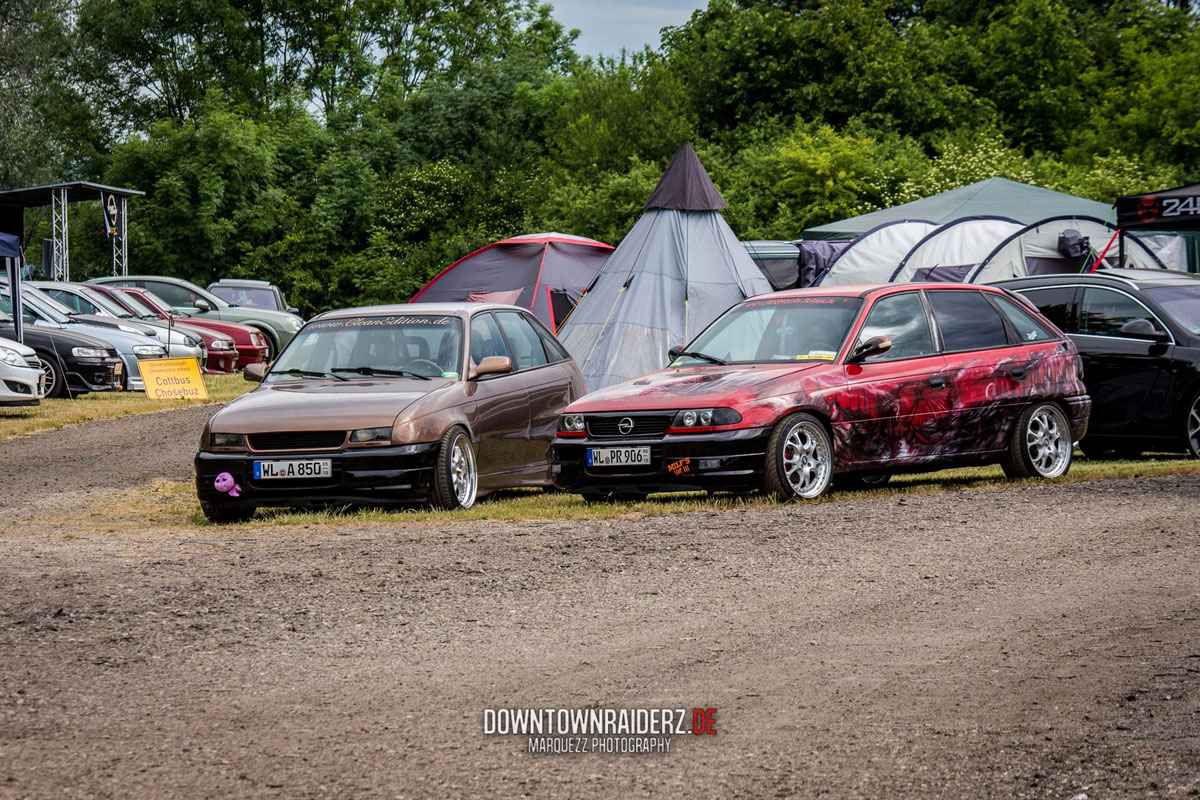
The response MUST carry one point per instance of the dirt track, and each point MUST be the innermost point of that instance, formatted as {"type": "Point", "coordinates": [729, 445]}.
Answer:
{"type": "Point", "coordinates": [1035, 642]}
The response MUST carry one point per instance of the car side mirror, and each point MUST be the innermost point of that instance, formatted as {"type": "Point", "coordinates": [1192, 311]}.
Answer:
{"type": "Point", "coordinates": [492, 365]}
{"type": "Point", "coordinates": [255, 372]}
{"type": "Point", "coordinates": [202, 305]}
{"type": "Point", "coordinates": [674, 352]}
{"type": "Point", "coordinates": [871, 347]}
{"type": "Point", "coordinates": [1143, 329]}
{"type": "Point", "coordinates": [293, 310]}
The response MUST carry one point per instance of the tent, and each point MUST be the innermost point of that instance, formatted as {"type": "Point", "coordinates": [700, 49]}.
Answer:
{"type": "Point", "coordinates": [10, 254]}
{"type": "Point", "coordinates": [949, 252]}
{"type": "Point", "coordinates": [874, 256]}
{"type": "Point", "coordinates": [1058, 245]}
{"type": "Point", "coordinates": [544, 272]}
{"type": "Point", "coordinates": [992, 197]}
{"type": "Point", "coordinates": [676, 270]}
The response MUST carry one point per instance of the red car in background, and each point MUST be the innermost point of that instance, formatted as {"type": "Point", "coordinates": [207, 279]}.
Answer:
{"type": "Point", "coordinates": [784, 391]}
{"type": "Point", "coordinates": [251, 344]}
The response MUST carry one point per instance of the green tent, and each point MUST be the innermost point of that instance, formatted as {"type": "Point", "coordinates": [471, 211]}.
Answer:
{"type": "Point", "coordinates": [998, 197]}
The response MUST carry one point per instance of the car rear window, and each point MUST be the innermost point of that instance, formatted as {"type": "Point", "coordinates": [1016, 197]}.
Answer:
{"type": "Point", "coordinates": [1026, 326]}
{"type": "Point", "coordinates": [967, 320]}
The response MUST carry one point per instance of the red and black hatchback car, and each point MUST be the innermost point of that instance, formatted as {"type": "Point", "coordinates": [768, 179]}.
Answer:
{"type": "Point", "coordinates": [785, 391]}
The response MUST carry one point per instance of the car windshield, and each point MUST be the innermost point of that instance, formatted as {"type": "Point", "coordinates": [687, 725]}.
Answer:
{"type": "Point", "coordinates": [392, 346]}
{"type": "Point", "coordinates": [135, 303]}
{"type": "Point", "coordinates": [252, 296]}
{"type": "Point", "coordinates": [37, 300]}
{"type": "Point", "coordinates": [775, 329]}
{"type": "Point", "coordinates": [156, 302]}
{"type": "Point", "coordinates": [104, 301]}
{"type": "Point", "coordinates": [1181, 303]}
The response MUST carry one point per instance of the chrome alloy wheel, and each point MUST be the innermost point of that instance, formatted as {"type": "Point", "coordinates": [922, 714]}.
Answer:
{"type": "Point", "coordinates": [51, 381]}
{"type": "Point", "coordinates": [463, 475]}
{"type": "Point", "coordinates": [807, 460]}
{"type": "Point", "coordinates": [1193, 426]}
{"type": "Point", "coordinates": [1048, 442]}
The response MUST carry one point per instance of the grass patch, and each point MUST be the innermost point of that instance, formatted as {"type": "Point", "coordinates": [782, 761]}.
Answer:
{"type": "Point", "coordinates": [172, 505]}
{"type": "Point", "coordinates": [58, 413]}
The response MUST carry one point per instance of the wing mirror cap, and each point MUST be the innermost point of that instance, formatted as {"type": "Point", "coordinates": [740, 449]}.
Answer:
{"type": "Point", "coordinates": [492, 365]}
{"type": "Point", "coordinates": [255, 372]}
{"type": "Point", "coordinates": [202, 304]}
{"type": "Point", "coordinates": [1144, 329]}
{"type": "Point", "coordinates": [871, 347]}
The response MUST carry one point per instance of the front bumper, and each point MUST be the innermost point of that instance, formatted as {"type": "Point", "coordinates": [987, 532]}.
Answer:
{"type": "Point", "coordinates": [95, 375]}
{"type": "Point", "coordinates": [20, 386]}
{"type": "Point", "coordinates": [391, 475]}
{"type": "Point", "coordinates": [725, 460]}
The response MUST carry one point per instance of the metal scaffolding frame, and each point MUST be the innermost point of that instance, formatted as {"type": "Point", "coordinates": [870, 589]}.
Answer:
{"type": "Point", "coordinates": [60, 235]}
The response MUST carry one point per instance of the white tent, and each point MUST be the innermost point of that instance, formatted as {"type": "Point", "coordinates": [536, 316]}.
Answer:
{"type": "Point", "coordinates": [951, 251]}
{"type": "Point", "coordinates": [875, 255]}
{"type": "Point", "coordinates": [1059, 245]}
{"type": "Point", "coordinates": [676, 271]}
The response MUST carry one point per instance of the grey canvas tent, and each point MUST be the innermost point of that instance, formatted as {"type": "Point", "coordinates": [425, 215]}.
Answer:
{"type": "Point", "coordinates": [992, 197]}
{"type": "Point", "coordinates": [677, 269]}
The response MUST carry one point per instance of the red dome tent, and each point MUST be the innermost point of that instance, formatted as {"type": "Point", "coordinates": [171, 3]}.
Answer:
{"type": "Point", "coordinates": [544, 272]}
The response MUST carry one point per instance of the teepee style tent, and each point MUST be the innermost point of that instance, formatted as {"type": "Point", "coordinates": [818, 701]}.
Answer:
{"type": "Point", "coordinates": [874, 256]}
{"type": "Point", "coordinates": [1060, 245]}
{"type": "Point", "coordinates": [544, 272]}
{"type": "Point", "coordinates": [951, 251]}
{"type": "Point", "coordinates": [673, 273]}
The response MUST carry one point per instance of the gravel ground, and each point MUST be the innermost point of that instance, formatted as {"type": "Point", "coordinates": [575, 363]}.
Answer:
{"type": "Point", "coordinates": [1035, 642]}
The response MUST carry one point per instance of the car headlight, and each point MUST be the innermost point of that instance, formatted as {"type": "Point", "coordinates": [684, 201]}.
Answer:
{"type": "Point", "coordinates": [295, 323]}
{"type": "Point", "coordinates": [222, 344]}
{"type": "Point", "coordinates": [571, 423]}
{"type": "Point", "coordinates": [192, 342]}
{"type": "Point", "coordinates": [257, 339]}
{"type": "Point", "coordinates": [225, 439]}
{"type": "Point", "coordinates": [12, 357]}
{"type": "Point", "coordinates": [148, 350]}
{"type": "Point", "coordinates": [371, 435]}
{"type": "Point", "coordinates": [705, 418]}
{"type": "Point", "coordinates": [89, 352]}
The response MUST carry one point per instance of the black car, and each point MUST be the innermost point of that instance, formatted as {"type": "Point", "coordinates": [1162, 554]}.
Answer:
{"type": "Point", "coordinates": [73, 362]}
{"type": "Point", "coordinates": [1138, 332]}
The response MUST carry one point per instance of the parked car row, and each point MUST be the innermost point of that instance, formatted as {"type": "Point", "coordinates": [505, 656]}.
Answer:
{"type": "Point", "coordinates": [785, 393]}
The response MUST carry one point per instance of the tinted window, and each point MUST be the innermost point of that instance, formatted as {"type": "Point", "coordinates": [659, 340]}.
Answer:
{"type": "Point", "coordinates": [967, 321]}
{"type": "Point", "coordinates": [1027, 327]}
{"type": "Point", "coordinates": [175, 295]}
{"type": "Point", "coordinates": [523, 339]}
{"type": "Point", "coordinates": [486, 339]}
{"type": "Point", "coordinates": [1055, 305]}
{"type": "Point", "coordinates": [1103, 312]}
{"type": "Point", "coordinates": [901, 318]}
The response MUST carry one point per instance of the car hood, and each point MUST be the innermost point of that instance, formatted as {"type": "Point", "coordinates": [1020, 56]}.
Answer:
{"type": "Point", "coordinates": [122, 341]}
{"type": "Point", "coordinates": [230, 330]}
{"type": "Point", "coordinates": [696, 387]}
{"type": "Point", "coordinates": [277, 318]}
{"type": "Point", "coordinates": [24, 350]}
{"type": "Point", "coordinates": [55, 339]}
{"type": "Point", "coordinates": [115, 322]}
{"type": "Point", "coordinates": [321, 405]}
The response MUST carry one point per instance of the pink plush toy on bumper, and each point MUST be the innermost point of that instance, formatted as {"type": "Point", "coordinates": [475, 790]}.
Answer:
{"type": "Point", "coordinates": [225, 483]}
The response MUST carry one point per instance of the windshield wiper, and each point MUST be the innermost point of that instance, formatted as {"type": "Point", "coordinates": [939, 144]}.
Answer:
{"type": "Point", "coordinates": [703, 356]}
{"type": "Point", "coordinates": [381, 371]}
{"type": "Point", "coordinates": [307, 373]}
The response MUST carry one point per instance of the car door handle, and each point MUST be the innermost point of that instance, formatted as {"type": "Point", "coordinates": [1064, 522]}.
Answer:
{"type": "Point", "coordinates": [937, 382]}
{"type": "Point", "coordinates": [1017, 373]}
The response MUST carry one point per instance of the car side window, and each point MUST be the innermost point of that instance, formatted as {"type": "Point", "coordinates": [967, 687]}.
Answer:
{"type": "Point", "coordinates": [523, 339]}
{"type": "Point", "coordinates": [1027, 328]}
{"type": "Point", "coordinates": [1103, 312]}
{"type": "Point", "coordinates": [901, 318]}
{"type": "Point", "coordinates": [175, 295]}
{"type": "Point", "coordinates": [486, 339]}
{"type": "Point", "coordinates": [1055, 305]}
{"type": "Point", "coordinates": [967, 321]}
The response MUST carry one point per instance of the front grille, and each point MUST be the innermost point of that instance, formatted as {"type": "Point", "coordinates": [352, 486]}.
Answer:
{"type": "Point", "coordinates": [609, 425]}
{"type": "Point", "coordinates": [297, 440]}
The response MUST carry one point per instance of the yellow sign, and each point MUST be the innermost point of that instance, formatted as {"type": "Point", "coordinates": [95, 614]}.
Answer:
{"type": "Point", "coordinates": [173, 379]}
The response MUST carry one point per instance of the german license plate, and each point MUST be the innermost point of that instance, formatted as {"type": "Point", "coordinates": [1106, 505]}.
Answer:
{"type": "Point", "coordinates": [618, 456]}
{"type": "Point", "coordinates": [310, 468]}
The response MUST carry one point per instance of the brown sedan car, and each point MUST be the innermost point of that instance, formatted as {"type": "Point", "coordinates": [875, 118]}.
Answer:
{"type": "Point", "coordinates": [391, 405]}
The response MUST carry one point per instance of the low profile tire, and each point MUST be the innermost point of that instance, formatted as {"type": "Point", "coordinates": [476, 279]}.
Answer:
{"type": "Point", "coordinates": [456, 476]}
{"type": "Point", "coordinates": [799, 461]}
{"type": "Point", "coordinates": [1192, 426]}
{"type": "Point", "coordinates": [1040, 446]}
{"type": "Point", "coordinates": [56, 377]}
{"type": "Point", "coordinates": [224, 514]}
{"type": "Point", "coordinates": [860, 483]}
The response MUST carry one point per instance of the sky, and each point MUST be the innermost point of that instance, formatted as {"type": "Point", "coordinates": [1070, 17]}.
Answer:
{"type": "Point", "coordinates": [605, 26]}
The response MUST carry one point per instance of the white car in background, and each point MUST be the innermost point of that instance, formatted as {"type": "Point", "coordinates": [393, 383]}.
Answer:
{"type": "Point", "coordinates": [21, 376]}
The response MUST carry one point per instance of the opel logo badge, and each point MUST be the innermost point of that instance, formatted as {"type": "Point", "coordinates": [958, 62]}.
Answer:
{"type": "Point", "coordinates": [625, 425]}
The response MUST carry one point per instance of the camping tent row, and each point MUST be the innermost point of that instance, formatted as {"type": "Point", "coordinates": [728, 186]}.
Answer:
{"type": "Point", "coordinates": [982, 249]}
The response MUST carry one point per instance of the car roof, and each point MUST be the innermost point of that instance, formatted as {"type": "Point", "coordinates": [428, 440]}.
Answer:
{"type": "Point", "coordinates": [240, 282]}
{"type": "Point", "coordinates": [865, 289]}
{"type": "Point", "coordinates": [458, 309]}
{"type": "Point", "coordinates": [1132, 278]}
